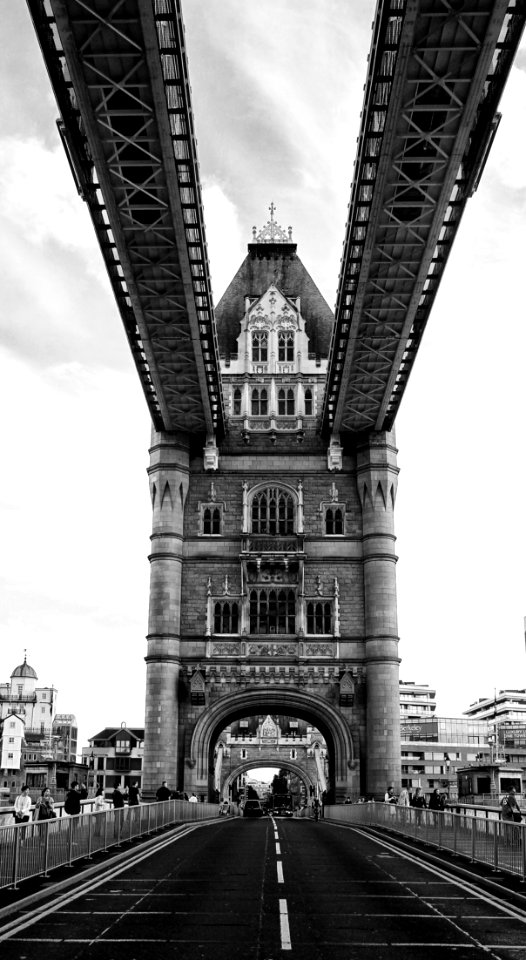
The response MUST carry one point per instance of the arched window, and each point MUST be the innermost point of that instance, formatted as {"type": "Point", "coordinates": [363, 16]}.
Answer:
{"type": "Point", "coordinates": [334, 521]}
{"type": "Point", "coordinates": [308, 403]}
{"type": "Point", "coordinates": [226, 617]}
{"type": "Point", "coordinates": [273, 512]}
{"type": "Point", "coordinates": [237, 402]}
{"type": "Point", "coordinates": [260, 346]}
{"type": "Point", "coordinates": [286, 403]}
{"type": "Point", "coordinates": [285, 346]}
{"type": "Point", "coordinates": [259, 403]}
{"type": "Point", "coordinates": [319, 619]}
{"type": "Point", "coordinates": [212, 521]}
{"type": "Point", "coordinates": [272, 611]}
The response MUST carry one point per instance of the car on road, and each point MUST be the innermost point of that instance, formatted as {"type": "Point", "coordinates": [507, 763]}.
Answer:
{"type": "Point", "coordinates": [252, 808]}
{"type": "Point", "coordinates": [280, 805]}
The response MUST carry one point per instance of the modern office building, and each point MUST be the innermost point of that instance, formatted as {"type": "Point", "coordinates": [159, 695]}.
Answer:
{"type": "Point", "coordinates": [417, 701]}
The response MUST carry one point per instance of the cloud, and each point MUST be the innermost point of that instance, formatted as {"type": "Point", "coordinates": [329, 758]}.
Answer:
{"type": "Point", "coordinates": [225, 236]}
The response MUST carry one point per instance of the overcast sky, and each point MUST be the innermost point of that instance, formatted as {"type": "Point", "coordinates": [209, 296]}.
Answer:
{"type": "Point", "coordinates": [277, 92]}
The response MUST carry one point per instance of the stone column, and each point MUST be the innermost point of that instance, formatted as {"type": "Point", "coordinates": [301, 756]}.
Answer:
{"type": "Point", "coordinates": [169, 477]}
{"type": "Point", "coordinates": [377, 475]}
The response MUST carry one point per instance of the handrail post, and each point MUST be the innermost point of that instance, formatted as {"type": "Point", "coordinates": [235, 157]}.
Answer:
{"type": "Point", "coordinates": [16, 858]}
{"type": "Point", "coordinates": [106, 815]}
{"type": "Point", "coordinates": [473, 840]}
{"type": "Point", "coordinates": [148, 830]}
{"type": "Point", "coordinates": [70, 842]}
{"type": "Point", "coordinates": [496, 834]}
{"type": "Point", "coordinates": [522, 841]}
{"type": "Point", "coordinates": [90, 832]}
{"type": "Point", "coordinates": [119, 825]}
{"type": "Point", "coordinates": [46, 825]}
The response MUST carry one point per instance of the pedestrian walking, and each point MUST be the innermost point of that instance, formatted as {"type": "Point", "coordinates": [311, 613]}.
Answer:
{"type": "Point", "coordinates": [134, 794]}
{"type": "Point", "coordinates": [509, 808]}
{"type": "Point", "coordinates": [163, 792]}
{"type": "Point", "coordinates": [23, 805]}
{"type": "Point", "coordinates": [403, 797]}
{"type": "Point", "coordinates": [390, 795]}
{"type": "Point", "coordinates": [419, 803]}
{"type": "Point", "coordinates": [118, 796]}
{"type": "Point", "coordinates": [72, 801]}
{"type": "Point", "coordinates": [83, 790]}
{"type": "Point", "coordinates": [99, 805]}
{"type": "Point", "coordinates": [44, 806]}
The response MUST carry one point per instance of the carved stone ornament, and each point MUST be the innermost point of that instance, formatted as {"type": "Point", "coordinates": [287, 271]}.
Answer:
{"type": "Point", "coordinates": [225, 649]}
{"type": "Point", "coordinates": [259, 322]}
{"type": "Point", "coordinates": [272, 649]}
{"type": "Point", "coordinates": [319, 650]}
{"type": "Point", "coordinates": [335, 455]}
{"type": "Point", "coordinates": [272, 232]}
{"type": "Point", "coordinates": [211, 454]}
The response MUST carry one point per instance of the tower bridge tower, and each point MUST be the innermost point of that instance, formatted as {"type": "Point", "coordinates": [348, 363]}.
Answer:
{"type": "Point", "coordinates": [272, 559]}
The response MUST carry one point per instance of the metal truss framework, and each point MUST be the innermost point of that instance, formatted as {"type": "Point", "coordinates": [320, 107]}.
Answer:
{"type": "Point", "coordinates": [120, 76]}
{"type": "Point", "coordinates": [436, 72]}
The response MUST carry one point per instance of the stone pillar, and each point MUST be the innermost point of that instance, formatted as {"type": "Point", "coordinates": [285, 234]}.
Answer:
{"type": "Point", "coordinates": [377, 475]}
{"type": "Point", "coordinates": [169, 477]}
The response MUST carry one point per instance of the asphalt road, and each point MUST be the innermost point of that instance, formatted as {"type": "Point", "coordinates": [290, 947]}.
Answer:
{"type": "Point", "coordinates": [262, 890]}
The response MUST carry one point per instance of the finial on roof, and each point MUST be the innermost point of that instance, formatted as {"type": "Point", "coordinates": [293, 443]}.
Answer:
{"type": "Point", "coordinates": [272, 232]}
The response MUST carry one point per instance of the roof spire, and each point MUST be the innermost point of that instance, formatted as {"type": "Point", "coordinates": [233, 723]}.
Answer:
{"type": "Point", "coordinates": [272, 232]}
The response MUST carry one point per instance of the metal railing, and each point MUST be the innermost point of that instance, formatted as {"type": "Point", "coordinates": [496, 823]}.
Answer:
{"type": "Point", "coordinates": [34, 849]}
{"type": "Point", "coordinates": [499, 844]}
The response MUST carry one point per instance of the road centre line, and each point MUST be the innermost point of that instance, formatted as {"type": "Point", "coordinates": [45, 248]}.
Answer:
{"type": "Point", "coordinates": [284, 925]}
{"type": "Point", "coordinates": [278, 849]}
{"type": "Point", "coordinates": [279, 866]}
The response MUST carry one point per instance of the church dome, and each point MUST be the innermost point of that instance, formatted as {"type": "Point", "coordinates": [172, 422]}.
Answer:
{"type": "Point", "coordinates": [24, 670]}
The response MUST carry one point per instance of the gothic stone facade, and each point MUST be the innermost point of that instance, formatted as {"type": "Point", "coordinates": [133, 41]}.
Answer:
{"type": "Point", "coordinates": [272, 559]}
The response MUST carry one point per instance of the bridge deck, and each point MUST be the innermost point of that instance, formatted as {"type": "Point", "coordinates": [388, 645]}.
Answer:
{"type": "Point", "coordinates": [254, 889]}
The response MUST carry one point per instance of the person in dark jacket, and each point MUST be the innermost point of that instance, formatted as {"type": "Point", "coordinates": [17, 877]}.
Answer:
{"type": "Point", "coordinates": [163, 792]}
{"type": "Point", "coordinates": [118, 797]}
{"type": "Point", "coordinates": [134, 794]}
{"type": "Point", "coordinates": [72, 804]}
{"type": "Point", "coordinates": [419, 802]}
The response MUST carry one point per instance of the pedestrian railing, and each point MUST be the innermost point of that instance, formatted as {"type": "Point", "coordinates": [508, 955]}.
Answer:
{"type": "Point", "coordinates": [499, 844]}
{"type": "Point", "coordinates": [34, 849]}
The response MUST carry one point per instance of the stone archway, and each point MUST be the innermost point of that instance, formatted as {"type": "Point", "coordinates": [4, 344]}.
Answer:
{"type": "Point", "coordinates": [287, 764]}
{"type": "Point", "coordinates": [283, 700]}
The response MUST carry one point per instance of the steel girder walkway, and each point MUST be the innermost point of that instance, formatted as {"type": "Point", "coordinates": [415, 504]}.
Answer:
{"type": "Point", "coordinates": [437, 69]}
{"type": "Point", "coordinates": [120, 76]}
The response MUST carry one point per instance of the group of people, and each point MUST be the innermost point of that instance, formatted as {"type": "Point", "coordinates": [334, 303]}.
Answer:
{"type": "Point", "coordinates": [164, 793]}
{"type": "Point", "coordinates": [437, 800]}
{"type": "Point", "coordinates": [43, 809]}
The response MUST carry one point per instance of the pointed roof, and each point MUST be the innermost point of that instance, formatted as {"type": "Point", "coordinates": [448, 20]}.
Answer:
{"type": "Point", "coordinates": [272, 258]}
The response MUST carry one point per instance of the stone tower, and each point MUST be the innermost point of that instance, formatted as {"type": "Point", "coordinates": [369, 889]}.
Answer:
{"type": "Point", "coordinates": [272, 560]}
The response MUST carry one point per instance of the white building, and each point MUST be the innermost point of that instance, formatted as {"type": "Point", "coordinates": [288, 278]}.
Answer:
{"type": "Point", "coordinates": [506, 706]}
{"type": "Point", "coordinates": [417, 701]}
{"type": "Point", "coordinates": [11, 742]}
{"type": "Point", "coordinates": [34, 705]}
